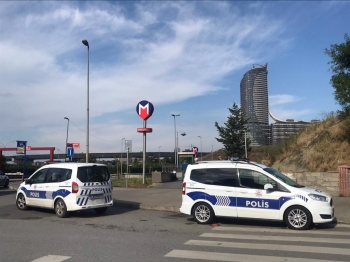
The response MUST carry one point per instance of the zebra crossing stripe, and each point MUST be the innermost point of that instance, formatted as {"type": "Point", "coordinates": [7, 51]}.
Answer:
{"type": "Point", "coordinates": [280, 230]}
{"type": "Point", "coordinates": [278, 238]}
{"type": "Point", "coordinates": [51, 258]}
{"type": "Point", "coordinates": [288, 248]}
{"type": "Point", "coordinates": [216, 256]}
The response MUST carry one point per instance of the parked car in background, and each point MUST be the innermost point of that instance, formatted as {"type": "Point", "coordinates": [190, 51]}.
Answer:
{"type": "Point", "coordinates": [4, 180]}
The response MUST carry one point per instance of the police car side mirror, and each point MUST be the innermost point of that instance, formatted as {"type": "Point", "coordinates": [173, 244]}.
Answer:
{"type": "Point", "coordinates": [268, 186]}
{"type": "Point", "coordinates": [27, 181]}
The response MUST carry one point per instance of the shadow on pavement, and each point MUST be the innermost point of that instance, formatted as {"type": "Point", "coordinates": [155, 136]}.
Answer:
{"type": "Point", "coordinates": [7, 192]}
{"type": "Point", "coordinates": [177, 184]}
{"type": "Point", "coordinates": [261, 223]}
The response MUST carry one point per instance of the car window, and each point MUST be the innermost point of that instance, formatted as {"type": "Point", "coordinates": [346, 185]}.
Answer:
{"type": "Point", "coordinates": [55, 175]}
{"type": "Point", "coordinates": [66, 174]}
{"type": "Point", "coordinates": [39, 177]}
{"type": "Point", "coordinates": [198, 175]}
{"type": "Point", "coordinates": [253, 179]}
{"type": "Point", "coordinates": [222, 176]}
{"type": "Point", "coordinates": [93, 174]}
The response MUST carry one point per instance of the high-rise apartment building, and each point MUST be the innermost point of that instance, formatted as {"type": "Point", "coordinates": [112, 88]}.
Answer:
{"type": "Point", "coordinates": [255, 104]}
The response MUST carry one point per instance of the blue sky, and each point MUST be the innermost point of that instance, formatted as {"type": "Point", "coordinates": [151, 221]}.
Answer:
{"type": "Point", "coordinates": [186, 58]}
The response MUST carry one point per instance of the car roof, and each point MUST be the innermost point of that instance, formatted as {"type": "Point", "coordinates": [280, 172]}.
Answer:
{"type": "Point", "coordinates": [241, 162]}
{"type": "Point", "coordinates": [70, 164]}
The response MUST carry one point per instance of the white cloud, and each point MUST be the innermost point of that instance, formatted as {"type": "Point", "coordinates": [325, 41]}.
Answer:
{"type": "Point", "coordinates": [282, 99]}
{"type": "Point", "coordinates": [168, 51]}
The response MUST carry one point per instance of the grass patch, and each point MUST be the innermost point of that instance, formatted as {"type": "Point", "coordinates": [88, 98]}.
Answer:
{"type": "Point", "coordinates": [132, 182]}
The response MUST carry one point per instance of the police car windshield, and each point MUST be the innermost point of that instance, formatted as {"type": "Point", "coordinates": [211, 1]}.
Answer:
{"type": "Point", "coordinates": [282, 177]}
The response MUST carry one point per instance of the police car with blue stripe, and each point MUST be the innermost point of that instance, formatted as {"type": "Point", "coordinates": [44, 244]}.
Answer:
{"type": "Point", "coordinates": [67, 187]}
{"type": "Point", "coordinates": [243, 189]}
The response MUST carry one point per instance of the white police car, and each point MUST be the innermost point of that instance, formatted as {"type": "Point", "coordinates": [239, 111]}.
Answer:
{"type": "Point", "coordinates": [67, 187]}
{"type": "Point", "coordinates": [244, 189]}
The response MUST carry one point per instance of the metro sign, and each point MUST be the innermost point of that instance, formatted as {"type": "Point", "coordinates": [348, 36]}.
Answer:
{"type": "Point", "coordinates": [195, 149]}
{"type": "Point", "coordinates": [144, 109]}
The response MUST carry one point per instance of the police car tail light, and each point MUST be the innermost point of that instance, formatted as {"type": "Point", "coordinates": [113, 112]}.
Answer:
{"type": "Point", "coordinates": [184, 188]}
{"type": "Point", "coordinates": [75, 187]}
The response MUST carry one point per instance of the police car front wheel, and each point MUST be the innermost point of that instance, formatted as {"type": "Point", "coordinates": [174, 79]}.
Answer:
{"type": "Point", "coordinates": [298, 217]}
{"type": "Point", "coordinates": [61, 208]}
{"type": "Point", "coordinates": [203, 213]}
{"type": "Point", "coordinates": [21, 202]}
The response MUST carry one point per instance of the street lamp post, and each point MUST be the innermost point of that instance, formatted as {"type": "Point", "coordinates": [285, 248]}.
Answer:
{"type": "Point", "coordinates": [174, 115]}
{"type": "Point", "coordinates": [201, 148]}
{"type": "Point", "coordinates": [121, 158]}
{"type": "Point", "coordinates": [177, 136]}
{"type": "Point", "coordinates": [65, 158]}
{"type": "Point", "coordinates": [159, 153]}
{"type": "Point", "coordinates": [86, 43]}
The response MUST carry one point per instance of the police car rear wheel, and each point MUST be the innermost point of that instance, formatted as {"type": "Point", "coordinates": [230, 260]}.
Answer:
{"type": "Point", "coordinates": [203, 213]}
{"type": "Point", "coordinates": [100, 210]}
{"type": "Point", "coordinates": [21, 202]}
{"type": "Point", "coordinates": [61, 208]}
{"type": "Point", "coordinates": [298, 218]}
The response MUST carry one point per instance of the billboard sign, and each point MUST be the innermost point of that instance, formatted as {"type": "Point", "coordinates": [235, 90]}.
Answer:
{"type": "Point", "coordinates": [21, 147]}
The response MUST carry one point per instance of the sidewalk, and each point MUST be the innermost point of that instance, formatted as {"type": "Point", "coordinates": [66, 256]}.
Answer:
{"type": "Point", "coordinates": [167, 197]}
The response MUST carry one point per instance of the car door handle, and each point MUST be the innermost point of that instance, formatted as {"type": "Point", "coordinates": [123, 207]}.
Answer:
{"type": "Point", "coordinates": [243, 192]}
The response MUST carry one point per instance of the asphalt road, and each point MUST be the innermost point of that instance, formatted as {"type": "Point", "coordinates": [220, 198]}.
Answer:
{"type": "Point", "coordinates": [141, 235]}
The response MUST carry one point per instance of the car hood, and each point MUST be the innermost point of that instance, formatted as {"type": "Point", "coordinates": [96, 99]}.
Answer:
{"type": "Point", "coordinates": [307, 190]}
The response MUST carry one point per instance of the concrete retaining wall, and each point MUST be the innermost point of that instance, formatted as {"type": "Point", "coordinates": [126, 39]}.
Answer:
{"type": "Point", "coordinates": [161, 177]}
{"type": "Point", "coordinates": [325, 181]}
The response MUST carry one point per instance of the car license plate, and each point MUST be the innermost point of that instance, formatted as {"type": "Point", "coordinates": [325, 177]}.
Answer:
{"type": "Point", "coordinates": [97, 196]}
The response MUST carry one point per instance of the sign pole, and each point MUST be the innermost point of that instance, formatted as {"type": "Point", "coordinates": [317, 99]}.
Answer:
{"type": "Point", "coordinates": [145, 110]}
{"type": "Point", "coordinates": [144, 153]}
{"type": "Point", "coordinates": [127, 171]}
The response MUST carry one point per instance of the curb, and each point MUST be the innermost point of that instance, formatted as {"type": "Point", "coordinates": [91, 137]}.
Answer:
{"type": "Point", "coordinates": [120, 203]}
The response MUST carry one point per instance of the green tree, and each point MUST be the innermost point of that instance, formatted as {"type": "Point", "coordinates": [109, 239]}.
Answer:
{"type": "Point", "coordinates": [232, 134]}
{"type": "Point", "coordinates": [340, 66]}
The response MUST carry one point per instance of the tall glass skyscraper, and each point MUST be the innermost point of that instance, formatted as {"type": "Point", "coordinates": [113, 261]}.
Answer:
{"type": "Point", "coordinates": [255, 104]}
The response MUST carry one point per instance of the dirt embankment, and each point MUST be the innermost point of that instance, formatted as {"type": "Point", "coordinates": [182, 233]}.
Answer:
{"type": "Point", "coordinates": [321, 147]}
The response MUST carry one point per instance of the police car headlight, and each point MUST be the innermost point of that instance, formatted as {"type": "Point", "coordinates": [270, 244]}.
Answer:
{"type": "Point", "coordinates": [318, 197]}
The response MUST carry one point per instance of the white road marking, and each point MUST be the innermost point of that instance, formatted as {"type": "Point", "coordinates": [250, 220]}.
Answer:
{"type": "Point", "coordinates": [281, 230]}
{"type": "Point", "coordinates": [51, 258]}
{"type": "Point", "coordinates": [216, 256]}
{"type": "Point", "coordinates": [278, 238]}
{"type": "Point", "coordinates": [293, 248]}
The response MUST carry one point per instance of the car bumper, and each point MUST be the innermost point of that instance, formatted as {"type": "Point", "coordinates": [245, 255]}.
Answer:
{"type": "Point", "coordinates": [186, 207]}
{"type": "Point", "coordinates": [323, 214]}
{"type": "Point", "coordinates": [73, 206]}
